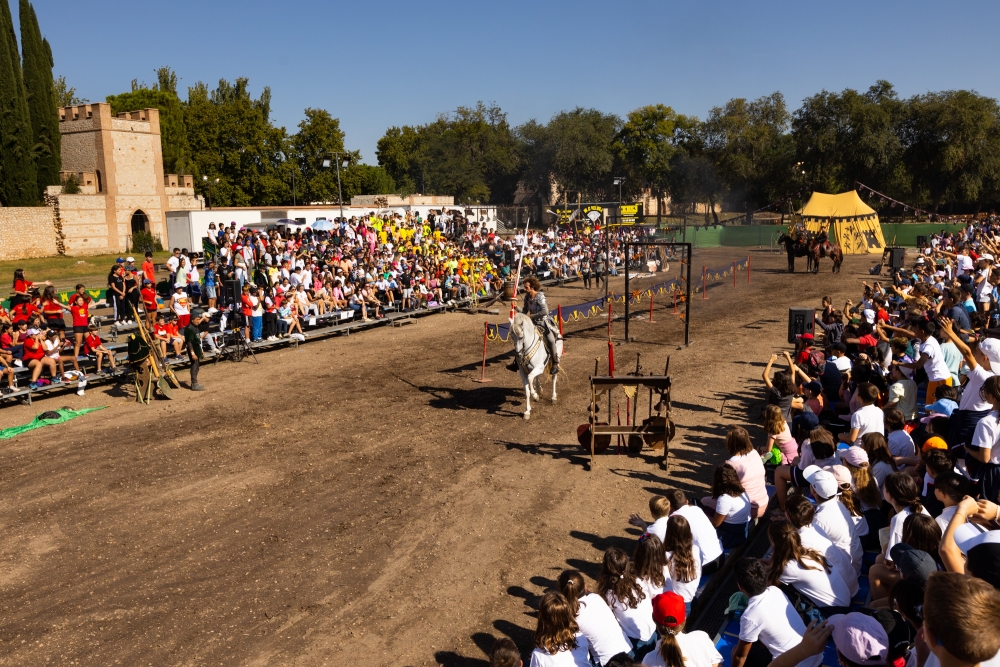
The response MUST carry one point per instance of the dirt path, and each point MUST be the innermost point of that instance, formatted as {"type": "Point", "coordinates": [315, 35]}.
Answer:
{"type": "Point", "coordinates": [358, 500]}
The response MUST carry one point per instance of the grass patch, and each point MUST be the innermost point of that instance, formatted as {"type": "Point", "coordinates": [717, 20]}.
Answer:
{"type": "Point", "coordinates": [65, 272]}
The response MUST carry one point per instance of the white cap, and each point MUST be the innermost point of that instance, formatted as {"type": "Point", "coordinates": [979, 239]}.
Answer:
{"type": "Point", "coordinates": [986, 256]}
{"type": "Point", "coordinates": [970, 535]}
{"type": "Point", "coordinates": [130, 259]}
{"type": "Point", "coordinates": [823, 481]}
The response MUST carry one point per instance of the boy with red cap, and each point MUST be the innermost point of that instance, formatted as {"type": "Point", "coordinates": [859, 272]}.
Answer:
{"type": "Point", "coordinates": [675, 647]}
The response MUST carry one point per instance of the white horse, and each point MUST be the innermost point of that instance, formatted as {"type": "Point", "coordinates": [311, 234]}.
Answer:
{"type": "Point", "coordinates": [532, 358]}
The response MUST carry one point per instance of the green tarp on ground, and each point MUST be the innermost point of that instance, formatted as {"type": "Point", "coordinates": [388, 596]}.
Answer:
{"type": "Point", "coordinates": [38, 422]}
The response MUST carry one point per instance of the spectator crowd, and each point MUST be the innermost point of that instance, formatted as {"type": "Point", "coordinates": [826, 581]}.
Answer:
{"type": "Point", "coordinates": [875, 481]}
{"type": "Point", "coordinates": [276, 282]}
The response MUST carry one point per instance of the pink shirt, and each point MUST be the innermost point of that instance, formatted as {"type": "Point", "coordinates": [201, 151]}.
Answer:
{"type": "Point", "coordinates": [750, 469]}
{"type": "Point", "coordinates": [786, 443]}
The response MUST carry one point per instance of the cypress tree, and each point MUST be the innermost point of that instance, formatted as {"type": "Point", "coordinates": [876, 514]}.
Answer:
{"type": "Point", "coordinates": [18, 186]}
{"type": "Point", "coordinates": [41, 93]}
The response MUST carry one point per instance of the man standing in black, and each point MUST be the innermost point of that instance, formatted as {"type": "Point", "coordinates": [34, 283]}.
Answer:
{"type": "Point", "coordinates": [192, 344]}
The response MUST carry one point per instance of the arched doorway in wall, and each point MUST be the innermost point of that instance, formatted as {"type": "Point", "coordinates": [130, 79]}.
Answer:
{"type": "Point", "coordinates": [140, 222]}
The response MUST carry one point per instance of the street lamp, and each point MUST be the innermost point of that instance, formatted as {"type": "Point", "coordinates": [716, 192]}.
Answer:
{"type": "Point", "coordinates": [208, 189]}
{"type": "Point", "coordinates": [340, 192]}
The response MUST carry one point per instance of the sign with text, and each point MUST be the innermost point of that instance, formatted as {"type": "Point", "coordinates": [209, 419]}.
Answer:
{"type": "Point", "coordinates": [594, 213]}
{"type": "Point", "coordinates": [563, 214]}
{"type": "Point", "coordinates": [630, 214]}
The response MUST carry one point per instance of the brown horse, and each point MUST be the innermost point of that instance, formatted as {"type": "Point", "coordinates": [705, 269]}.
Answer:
{"type": "Point", "coordinates": [821, 247]}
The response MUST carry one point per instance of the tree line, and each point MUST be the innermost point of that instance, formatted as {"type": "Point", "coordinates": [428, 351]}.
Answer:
{"type": "Point", "coordinates": [939, 150]}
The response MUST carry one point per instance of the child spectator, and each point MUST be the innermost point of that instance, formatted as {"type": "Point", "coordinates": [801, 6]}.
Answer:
{"type": "Point", "coordinates": [815, 400]}
{"type": "Point", "coordinates": [34, 356]}
{"type": "Point", "coordinates": [95, 346]}
{"type": "Point", "coordinates": [902, 394]}
{"type": "Point", "coordinates": [800, 514]}
{"type": "Point", "coordinates": [960, 617]}
{"type": "Point", "coordinates": [659, 507]}
{"type": "Point", "coordinates": [651, 567]}
{"type": "Point", "coordinates": [52, 346]}
{"type": "Point", "coordinates": [702, 530]}
{"type": "Point", "coordinates": [620, 588]}
{"type": "Point", "coordinates": [868, 418]}
{"type": "Point", "coordinates": [558, 641]}
{"type": "Point", "coordinates": [676, 648]}
{"type": "Point", "coordinates": [973, 405]}
{"type": "Point", "coordinates": [820, 450]}
{"type": "Point", "coordinates": [806, 570]}
{"type": "Point", "coordinates": [749, 468]}
{"type": "Point", "coordinates": [595, 619]}
{"type": "Point", "coordinates": [769, 617]}
{"type": "Point", "coordinates": [779, 435]}
{"type": "Point", "coordinates": [949, 489]}
{"type": "Point", "coordinates": [902, 494]}
{"type": "Point", "coordinates": [833, 519]}
{"type": "Point", "coordinates": [899, 441]}
{"type": "Point", "coordinates": [865, 492]}
{"type": "Point", "coordinates": [730, 507]}
{"type": "Point", "coordinates": [684, 560]}
{"type": "Point", "coordinates": [879, 459]}
{"type": "Point", "coordinates": [505, 654]}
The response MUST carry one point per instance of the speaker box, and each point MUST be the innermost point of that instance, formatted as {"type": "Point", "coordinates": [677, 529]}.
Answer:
{"type": "Point", "coordinates": [800, 321]}
{"type": "Point", "coordinates": [897, 258]}
{"type": "Point", "coordinates": [921, 241]}
{"type": "Point", "coordinates": [232, 292]}
{"type": "Point", "coordinates": [510, 256]}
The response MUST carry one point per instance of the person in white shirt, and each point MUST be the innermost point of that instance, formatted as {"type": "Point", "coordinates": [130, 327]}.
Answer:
{"type": "Point", "coordinates": [596, 620]}
{"type": "Point", "coordinates": [675, 647]}
{"type": "Point", "coordinates": [902, 394]}
{"type": "Point", "coordinates": [931, 358]}
{"type": "Point", "coordinates": [705, 536]}
{"type": "Point", "coordinates": [867, 419]}
{"type": "Point", "coordinates": [650, 564]}
{"type": "Point", "coordinates": [558, 640]}
{"type": "Point", "coordinates": [683, 559]}
{"type": "Point", "coordinates": [806, 570]}
{"type": "Point", "coordinates": [902, 493]}
{"type": "Point", "coordinates": [832, 519]}
{"type": "Point", "coordinates": [949, 488]}
{"type": "Point", "coordinates": [899, 441]}
{"type": "Point", "coordinates": [732, 507]}
{"type": "Point", "coordinates": [623, 592]}
{"type": "Point", "coordinates": [768, 618]}
{"type": "Point", "coordinates": [972, 406]}
{"type": "Point", "coordinates": [800, 513]}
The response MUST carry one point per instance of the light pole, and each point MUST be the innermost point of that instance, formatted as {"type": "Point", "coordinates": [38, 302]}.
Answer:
{"type": "Point", "coordinates": [208, 189]}
{"type": "Point", "coordinates": [340, 192]}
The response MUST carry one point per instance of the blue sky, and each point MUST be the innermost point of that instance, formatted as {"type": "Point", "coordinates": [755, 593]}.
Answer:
{"type": "Point", "coordinates": [374, 63]}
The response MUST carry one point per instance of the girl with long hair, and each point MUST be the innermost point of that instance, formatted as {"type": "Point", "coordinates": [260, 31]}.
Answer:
{"type": "Point", "coordinates": [623, 592]}
{"type": "Point", "coordinates": [865, 492]}
{"type": "Point", "coordinates": [596, 620]}
{"type": "Point", "coordinates": [879, 457]}
{"type": "Point", "coordinates": [805, 570]}
{"type": "Point", "coordinates": [558, 640]}
{"type": "Point", "coordinates": [779, 435]}
{"type": "Point", "coordinates": [650, 564]}
{"type": "Point", "coordinates": [749, 468]}
{"type": "Point", "coordinates": [732, 507]}
{"type": "Point", "coordinates": [902, 494]}
{"type": "Point", "coordinates": [683, 559]}
{"type": "Point", "coordinates": [676, 648]}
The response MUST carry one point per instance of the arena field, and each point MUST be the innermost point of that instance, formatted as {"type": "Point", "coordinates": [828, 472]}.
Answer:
{"type": "Point", "coordinates": [359, 500]}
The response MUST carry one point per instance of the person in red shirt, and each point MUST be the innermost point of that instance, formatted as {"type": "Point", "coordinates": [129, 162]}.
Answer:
{"type": "Point", "coordinates": [174, 336]}
{"type": "Point", "coordinates": [95, 346]}
{"type": "Point", "coordinates": [22, 288]}
{"type": "Point", "coordinates": [148, 269]}
{"type": "Point", "coordinates": [246, 310]}
{"type": "Point", "coordinates": [34, 355]}
{"type": "Point", "coordinates": [80, 312]}
{"type": "Point", "coordinates": [24, 311]}
{"type": "Point", "coordinates": [52, 310]}
{"type": "Point", "coordinates": [150, 302]}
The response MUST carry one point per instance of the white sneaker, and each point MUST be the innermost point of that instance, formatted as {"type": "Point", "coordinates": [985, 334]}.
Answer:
{"type": "Point", "coordinates": [18, 363]}
{"type": "Point", "coordinates": [79, 392]}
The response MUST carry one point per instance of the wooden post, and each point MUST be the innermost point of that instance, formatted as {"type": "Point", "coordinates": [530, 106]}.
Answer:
{"type": "Point", "coordinates": [651, 297]}
{"type": "Point", "coordinates": [559, 315]}
{"type": "Point", "coordinates": [704, 282]}
{"type": "Point", "coordinates": [734, 273]}
{"type": "Point", "coordinates": [486, 333]}
{"type": "Point", "coordinates": [748, 269]}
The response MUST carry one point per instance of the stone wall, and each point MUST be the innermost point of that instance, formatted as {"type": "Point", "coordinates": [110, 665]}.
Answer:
{"type": "Point", "coordinates": [27, 232]}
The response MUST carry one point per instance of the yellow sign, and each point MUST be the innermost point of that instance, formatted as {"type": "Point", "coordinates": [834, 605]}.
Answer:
{"type": "Point", "coordinates": [629, 214]}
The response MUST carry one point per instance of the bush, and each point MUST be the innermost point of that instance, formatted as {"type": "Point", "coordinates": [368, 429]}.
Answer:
{"type": "Point", "coordinates": [71, 186]}
{"type": "Point", "coordinates": [143, 242]}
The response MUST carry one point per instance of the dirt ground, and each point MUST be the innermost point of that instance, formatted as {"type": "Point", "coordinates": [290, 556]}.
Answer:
{"type": "Point", "coordinates": [358, 500]}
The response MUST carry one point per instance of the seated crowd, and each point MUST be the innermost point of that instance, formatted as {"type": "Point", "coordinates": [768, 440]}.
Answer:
{"type": "Point", "coordinates": [285, 279]}
{"type": "Point", "coordinates": [883, 519]}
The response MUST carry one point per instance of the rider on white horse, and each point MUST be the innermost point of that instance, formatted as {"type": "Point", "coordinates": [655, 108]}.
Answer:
{"type": "Point", "coordinates": [537, 309]}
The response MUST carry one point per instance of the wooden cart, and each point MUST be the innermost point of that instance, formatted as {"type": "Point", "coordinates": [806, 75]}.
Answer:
{"type": "Point", "coordinates": [647, 432]}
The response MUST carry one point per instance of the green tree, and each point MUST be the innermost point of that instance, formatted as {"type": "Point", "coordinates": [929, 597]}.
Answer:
{"type": "Point", "coordinates": [173, 129]}
{"type": "Point", "coordinates": [841, 138]}
{"type": "Point", "coordinates": [751, 148]}
{"type": "Point", "coordinates": [231, 138]}
{"type": "Point", "coordinates": [365, 179]}
{"type": "Point", "coordinates": [18, 182]}
{"type": "Point", "coordinates": [41, 92]}
{"type": "Point", "coordinates": [952, 146]}
{"type": "Point", "coordinates": [400, 153]}
{"type": "Point", "coordinates": [646, 146]}
{"type": "Point", "coordinates": [318, 138]}
{"type": "Point", "coordinates": [574, 152]}
{"type": "Point", "coordinates": [65, 95]}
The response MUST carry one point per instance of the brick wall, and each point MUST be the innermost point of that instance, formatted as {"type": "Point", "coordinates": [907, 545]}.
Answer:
{"type": "Point", "coordinates": [27, 232]}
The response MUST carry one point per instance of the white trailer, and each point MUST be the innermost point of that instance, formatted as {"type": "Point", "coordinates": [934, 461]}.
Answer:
{"type": "Point", "coordinates": [185, 229]}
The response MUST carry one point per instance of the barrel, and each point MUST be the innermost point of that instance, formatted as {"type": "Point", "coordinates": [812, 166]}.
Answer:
{"type": "Point", "coordinates": [508, 289]}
